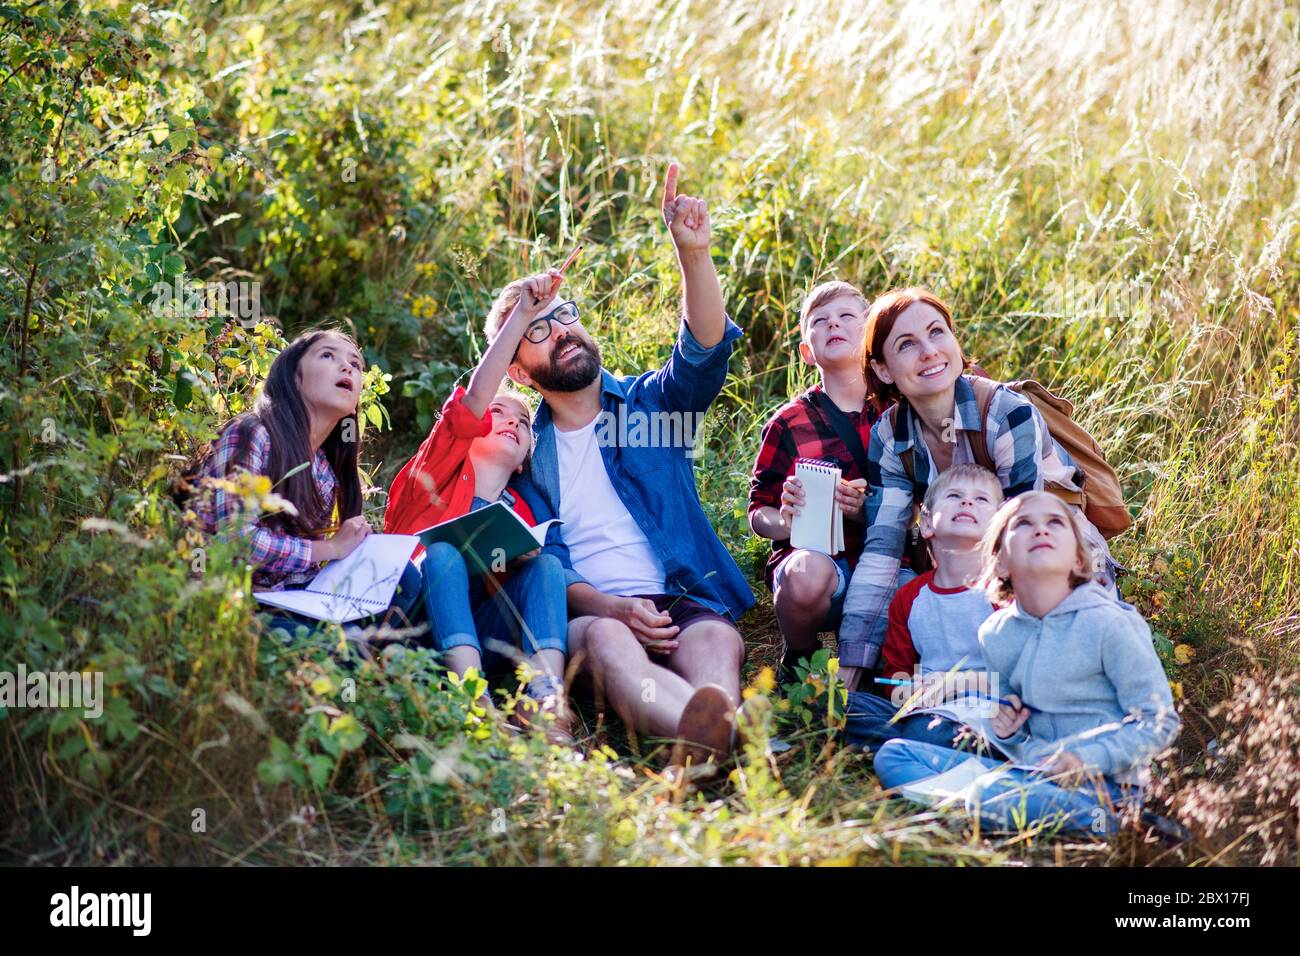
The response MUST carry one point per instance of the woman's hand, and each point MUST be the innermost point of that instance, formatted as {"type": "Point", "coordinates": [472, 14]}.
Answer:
{"type": "Point", "coordinates": [792, 499]}
{"type": "Point", "coordinates": [1009, 719]}
{"type": "Point", "coordinates": [851, 496]}
{"type": "Point", "coordinates": [344, 541]}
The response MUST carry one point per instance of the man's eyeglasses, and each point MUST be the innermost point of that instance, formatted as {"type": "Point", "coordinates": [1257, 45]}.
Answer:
{"type": "Point", "coordinates": [539, 330]}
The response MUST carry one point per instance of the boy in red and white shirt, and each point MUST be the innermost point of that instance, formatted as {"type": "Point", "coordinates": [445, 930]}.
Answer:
{"type": "Point", "coordinates": [932, 640]}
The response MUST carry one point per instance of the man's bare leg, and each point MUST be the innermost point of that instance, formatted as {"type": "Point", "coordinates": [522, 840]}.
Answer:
{"type": "Point", "coordinates": [710, 652]}
{"type": "Point", "coordinates": [647, 697]}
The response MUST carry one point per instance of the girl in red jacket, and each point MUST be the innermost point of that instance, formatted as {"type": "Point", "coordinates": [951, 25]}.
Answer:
{"type": "Point", "coordinates": [473, 457]}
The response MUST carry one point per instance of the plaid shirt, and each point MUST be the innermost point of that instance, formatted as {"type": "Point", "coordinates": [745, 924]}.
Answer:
{"type": "Point", "coordinates": [800, 430]}
{"type": "Point", "coordinates": [1019, 442]}
{"type": "Point", "coordinates": [280, 560]}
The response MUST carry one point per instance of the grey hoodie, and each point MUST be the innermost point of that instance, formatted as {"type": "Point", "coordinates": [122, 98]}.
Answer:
{"type": "Point", "coordinates": [1090, 670]}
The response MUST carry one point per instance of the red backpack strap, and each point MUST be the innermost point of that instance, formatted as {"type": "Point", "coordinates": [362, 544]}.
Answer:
{"type": "Point", "coordinates": [984, 389]}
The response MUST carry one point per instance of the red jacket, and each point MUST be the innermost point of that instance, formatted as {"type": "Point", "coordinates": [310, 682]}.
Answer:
{"type": "Point", "coordinates": [438, 483]}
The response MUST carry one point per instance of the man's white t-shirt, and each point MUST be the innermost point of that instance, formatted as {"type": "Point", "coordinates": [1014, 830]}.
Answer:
{"type": "Point", "coordinates": [605, 543]}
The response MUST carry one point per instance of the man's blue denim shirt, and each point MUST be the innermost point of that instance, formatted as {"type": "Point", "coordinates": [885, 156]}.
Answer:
{"type": "Point", "coordinates": [656, 482]}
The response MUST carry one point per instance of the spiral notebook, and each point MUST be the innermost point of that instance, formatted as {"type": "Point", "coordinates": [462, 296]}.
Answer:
{"type": "Point", "coordinates": [820, 524]}
{"type": "Point", "coordinates": [359, 585]}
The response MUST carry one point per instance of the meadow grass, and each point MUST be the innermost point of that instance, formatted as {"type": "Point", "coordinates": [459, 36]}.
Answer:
{"type": "Point", "coordinates": [1104, 194]}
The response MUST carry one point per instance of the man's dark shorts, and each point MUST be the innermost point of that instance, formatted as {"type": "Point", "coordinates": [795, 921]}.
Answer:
{"type": "Point", "coordinates": [685, 611]}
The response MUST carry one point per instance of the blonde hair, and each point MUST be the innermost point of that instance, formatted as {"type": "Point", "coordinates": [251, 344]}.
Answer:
{"type": "Point", "coordinates": [966, 470]}
{"type": "Point", "coordinates": [1000, 589]}
{"type": "Point", "coordinates": [509, 391]}
{"type": "Point", "coordinates": [505, 301]}
{"type": "Point", "coordinates": [820, 295]}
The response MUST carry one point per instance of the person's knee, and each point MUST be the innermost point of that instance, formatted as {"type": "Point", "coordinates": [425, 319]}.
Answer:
{"type": "Point", "coordinates": [890, 758]}
{"type": "Point", "coordinates": [807, 580]}
{"type": "Point", "coordinates": [722, 642]}
{"type": "Point", "coordinates": [441, 559]}
{"type": "Point", "coordinates": [546, 566]}
{"type": "Point", "coordinates": [608, 641]}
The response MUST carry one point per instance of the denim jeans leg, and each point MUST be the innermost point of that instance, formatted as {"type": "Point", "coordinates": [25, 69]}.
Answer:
{"type": "Point", "coordinates": [447, 598]}
{"type": "Point", "coordinates": [867, 721]}
{"type": "Point", "coordinates": [900, 762]}
{"type": "Point", "coordinates": [408, 598]}
{"type": "Point", "coordinates": [529, 612]}
{"type": "Point", "coordinates": [292, 626]}
{"type": "Point", "coordinates": [1019, 798]}
{"type": "Point", "coordinates": [1011, 801]}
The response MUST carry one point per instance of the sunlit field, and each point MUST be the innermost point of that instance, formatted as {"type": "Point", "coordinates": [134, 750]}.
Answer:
{"type": "Point", "coordinates": [1106, 194]}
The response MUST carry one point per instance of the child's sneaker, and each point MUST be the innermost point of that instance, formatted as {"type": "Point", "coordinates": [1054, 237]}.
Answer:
{"type": "Point", "coordinates": [548, 693]}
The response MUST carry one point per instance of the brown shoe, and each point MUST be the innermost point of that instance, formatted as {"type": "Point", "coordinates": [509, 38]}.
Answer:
{"type": "Point", "coordinates": [705, 730]}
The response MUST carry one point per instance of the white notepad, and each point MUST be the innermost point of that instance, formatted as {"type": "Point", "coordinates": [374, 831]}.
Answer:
{"type": "Point", "coordinates": [820, 524]}
{"type": "Point", "coordinates": [359, 585]}
{"type": "Point", "coordinates": [959, 783]}
{"type": "Point", "coordinates": [947, 787]}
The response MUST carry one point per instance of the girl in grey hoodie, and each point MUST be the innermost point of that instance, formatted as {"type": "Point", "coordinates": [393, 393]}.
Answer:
{"type": "Point", "coordinates": [1088, 706]}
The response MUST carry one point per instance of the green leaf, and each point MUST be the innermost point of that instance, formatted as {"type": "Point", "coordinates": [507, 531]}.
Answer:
{"type": "Point", "coordinates": [319, 768]}
{"type": "Point", "coordinates": [347, 732]}
{"type": "Point", "coordinates": [183, 392]}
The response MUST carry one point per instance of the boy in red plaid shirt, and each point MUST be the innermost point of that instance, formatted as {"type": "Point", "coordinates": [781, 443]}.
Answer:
{"type": "Point", "coordinates": [808, 587]}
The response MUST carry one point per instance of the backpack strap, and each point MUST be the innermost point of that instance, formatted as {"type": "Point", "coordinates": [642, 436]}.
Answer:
{"type": "Point", "coordinates": [909, 466]}
{"type": "Point", "coordinates": [984, 389]}
{"type": "Point", "coordinates": [841, 425]}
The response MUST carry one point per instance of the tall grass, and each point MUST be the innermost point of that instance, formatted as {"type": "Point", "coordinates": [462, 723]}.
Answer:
{"type": "Point", "coordinates": [1104, 193]}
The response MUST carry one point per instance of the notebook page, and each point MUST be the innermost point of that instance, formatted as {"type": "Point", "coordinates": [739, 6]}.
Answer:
{"type": "Point", "coordinates": [368, 575]}
{"type": "Point", "coordinates": [946, 787]}
{"type": "Point", "coordinates": [814, 527]}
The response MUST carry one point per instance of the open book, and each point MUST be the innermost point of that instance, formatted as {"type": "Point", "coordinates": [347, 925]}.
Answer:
{"type": "Point", "coordinates": [490, 537]}
{"type": "Point", "coordinates": [819, 526]}
{"type": "Point", "coordinates": [947, 787]}
{"type": "Point", "coordinates": [359, 585]}
{"type": "Point", "coordinates": [975, 711]}
{"type": "Point", "coordinates": [961, 782]}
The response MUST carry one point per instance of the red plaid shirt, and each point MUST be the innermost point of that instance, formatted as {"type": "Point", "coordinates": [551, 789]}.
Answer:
{"type": "Point", "coordinates": [800, 430]}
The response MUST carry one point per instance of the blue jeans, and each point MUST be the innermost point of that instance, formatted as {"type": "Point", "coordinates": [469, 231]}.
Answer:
{"type": "Point", "coordinates": [529, 611]}
{"type": "Point", "coordinates": [835, 612]}
{"type": "Point", "coordinates": [1016, 798]}
{"type": "Point", "coordinates": [868, 725]}
{"type": "Point", "coordinates": [405, 611]}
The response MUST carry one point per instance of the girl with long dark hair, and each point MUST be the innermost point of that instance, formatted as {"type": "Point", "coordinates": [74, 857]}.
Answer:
{"type": "Point", "coordinates": [301, 434]}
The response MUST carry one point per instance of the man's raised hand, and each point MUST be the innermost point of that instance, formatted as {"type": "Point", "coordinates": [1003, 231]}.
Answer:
{"type": "Point", "coordinates": [687, 218]}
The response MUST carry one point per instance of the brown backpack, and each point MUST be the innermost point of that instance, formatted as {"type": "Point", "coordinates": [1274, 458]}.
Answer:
{"type": "Point", "coordinates": [1101, 498]}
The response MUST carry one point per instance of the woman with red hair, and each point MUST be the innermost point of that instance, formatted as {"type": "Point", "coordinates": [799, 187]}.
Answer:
{"type": "Point", "coordinates": [911, 358]}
